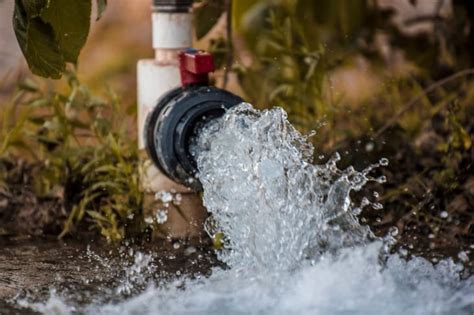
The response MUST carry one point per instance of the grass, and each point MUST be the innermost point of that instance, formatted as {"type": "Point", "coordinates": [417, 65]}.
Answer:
{"type": "Point", "coordinates": [83, 148]}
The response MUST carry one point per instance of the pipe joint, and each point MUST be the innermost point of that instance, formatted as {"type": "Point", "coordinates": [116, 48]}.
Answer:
{"type": "Point", "coordinates": [172, 30]}
{"type": "Point", "coordinates": [178, 116]}
{"type": "Point", "coordinates": [172, 6]}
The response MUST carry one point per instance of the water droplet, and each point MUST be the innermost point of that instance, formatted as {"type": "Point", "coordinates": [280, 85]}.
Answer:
{"type": "Point", "coordinates": [365, 202]}
{"type": "Point", "coordinates": [177, 199]}
{"type": "Point", "coordinates": [369, 146]}
{"type": "Point", "coordinates": [383, 162]}
{"type": "Point", "coordinates": [161, 216]}
{"type": "Point", "coordinates": [149, 220]}
{"type": "Point", "coordinates": [164, 196]}
{"type": "Point", "coordinates": [312, 133]}
{"type": "Point", "coordinates": [393, 231]}
{"type": "Point", "coordinates": [444, 214]}
{"type": "Point", "coordinates": [189, 250]}
{"type": "Point", "coordinates": [462, 255]}
{"type": "Point", "coordinates": [377, 206]}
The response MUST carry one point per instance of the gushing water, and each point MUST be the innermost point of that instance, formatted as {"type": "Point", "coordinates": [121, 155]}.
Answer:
{"type": "Point", "coordinates": [274, 207]}
{"type": "Point", "coordinates": [292, 239]}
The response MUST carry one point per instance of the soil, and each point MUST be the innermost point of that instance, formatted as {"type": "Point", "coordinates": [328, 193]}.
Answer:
{"type": "Point", "coordinates": [30, 267]}
{"type": "Point", "coordinates": [22, 211]}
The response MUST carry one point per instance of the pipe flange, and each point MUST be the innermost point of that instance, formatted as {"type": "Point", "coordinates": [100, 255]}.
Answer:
{"type": "Point", "coordinates": [174, 122]}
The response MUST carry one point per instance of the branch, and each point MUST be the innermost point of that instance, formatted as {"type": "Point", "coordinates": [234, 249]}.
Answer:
{"type": "Point", "coordinates": [420, 96]}
{"type": "Point", "coordinates": [230, 48]}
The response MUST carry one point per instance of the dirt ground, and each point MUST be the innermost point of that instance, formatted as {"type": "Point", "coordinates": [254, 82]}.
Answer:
{"type": "Point", "coordinates": [30, 267]}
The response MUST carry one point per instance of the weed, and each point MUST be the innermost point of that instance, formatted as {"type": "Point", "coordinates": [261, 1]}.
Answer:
{"type": "Point", "coordinates": [84, 150]}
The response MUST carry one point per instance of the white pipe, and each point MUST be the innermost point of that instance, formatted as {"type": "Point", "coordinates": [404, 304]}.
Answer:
{"type": "Point", "coordinates": [171, 30]}
{"type": "Point", "coordinates": [154, 79]}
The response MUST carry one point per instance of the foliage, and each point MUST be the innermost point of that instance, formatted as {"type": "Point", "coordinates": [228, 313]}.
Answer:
{"type": "Point", "coordinates": [293, 66]}
{"type": "Point", "coordinates": [84, 149]}
{"type": "Point", "coordinates": [293, 44]}
{"type": "Point", "coordinates": [429, 189]}
{"type": "Point", "coordinates": [206, 15]}
{"type": "Point", "coordinates": [51, 33]}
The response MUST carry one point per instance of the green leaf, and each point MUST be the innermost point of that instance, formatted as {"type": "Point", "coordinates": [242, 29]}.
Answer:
{"type": "Point", "coordinates": [344, 16]}
{"type": "Point", "coordinates": [70, 20]}
{"type": "Point", "coordinates": [96, 215]}
{"type": "Point", "coordinates": [29, 86]}
{"type": "Point", "coordinates": [101, 5]}
{"type": "Point", "coordinates": [37, 42]}
{"type": "Point", "coordinates": [240, 8]}
{"type": "Point", "coordinates": [33, 7]}
{"type": "Point", "coordinates": [207, 15]}
{"type": "Point", "coordinates": [51, 33]}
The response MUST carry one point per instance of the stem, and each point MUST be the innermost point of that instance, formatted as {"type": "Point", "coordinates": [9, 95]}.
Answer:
{"type": "Point", "coordinates": [230, 48]}
{"type": "Point", "coordinates": [420, 96]}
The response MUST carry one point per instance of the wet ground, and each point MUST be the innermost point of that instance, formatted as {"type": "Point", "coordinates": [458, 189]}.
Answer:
{"type": "Point", "coordinates": [29, 268]}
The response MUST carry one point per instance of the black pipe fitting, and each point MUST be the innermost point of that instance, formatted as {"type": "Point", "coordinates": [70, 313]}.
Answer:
{"type": "Point", "coordinates": [172, 6]}
{"type": "Point", "coordinates": [175, 121]}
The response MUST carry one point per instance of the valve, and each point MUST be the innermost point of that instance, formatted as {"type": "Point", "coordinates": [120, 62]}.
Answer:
{"type": "Point", "coordinates": [179, 115]}
{"type": "Point", "coordinates": [195, 66]}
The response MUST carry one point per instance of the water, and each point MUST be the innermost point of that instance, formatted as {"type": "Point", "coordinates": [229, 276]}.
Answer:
{"type": "Point", "coordinates": [275, 207]}
{"type": "Point", "coordinates": [292, 239]}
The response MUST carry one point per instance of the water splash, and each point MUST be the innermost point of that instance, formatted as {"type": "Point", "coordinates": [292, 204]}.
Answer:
{"type": "Point", "coordinates": [292, 237]}
{"type": "Point", "coordinates": [138, 274]}
{"type": "Point", "coordinates": [273, 205]}
{"type": "Point", "coordinates": [54, 305]}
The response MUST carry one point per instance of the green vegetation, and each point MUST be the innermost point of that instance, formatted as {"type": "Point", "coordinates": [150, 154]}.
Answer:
{"type": "Point", "coordinates": [52, 33]}
{"type": "Point", "coordinates": [84, 151]}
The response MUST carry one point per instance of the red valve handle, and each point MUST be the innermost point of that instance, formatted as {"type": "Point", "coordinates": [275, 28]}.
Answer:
{"type": "Point", "coordinates": [195, 66]}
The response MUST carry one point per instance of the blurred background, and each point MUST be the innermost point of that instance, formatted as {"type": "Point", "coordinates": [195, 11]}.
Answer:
{"type": "Point", "coordinates": [109, 57]}
{"type": "Point", "coordinates": [374, 78]}
{"type": "Point", "coordinates": [347, 30]}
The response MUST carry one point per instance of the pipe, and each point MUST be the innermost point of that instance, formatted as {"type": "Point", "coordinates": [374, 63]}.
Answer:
{"type": "Point", "coordinates": [172, 32]}
{"type": "Point", "coordinates": [174, 98]}
{"type": "Point", "coordinates": [172, 6]}
{"type": "Point", "coordinates": [171, 26]}
{"type": "Point", "coordinates": [179, 115]}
